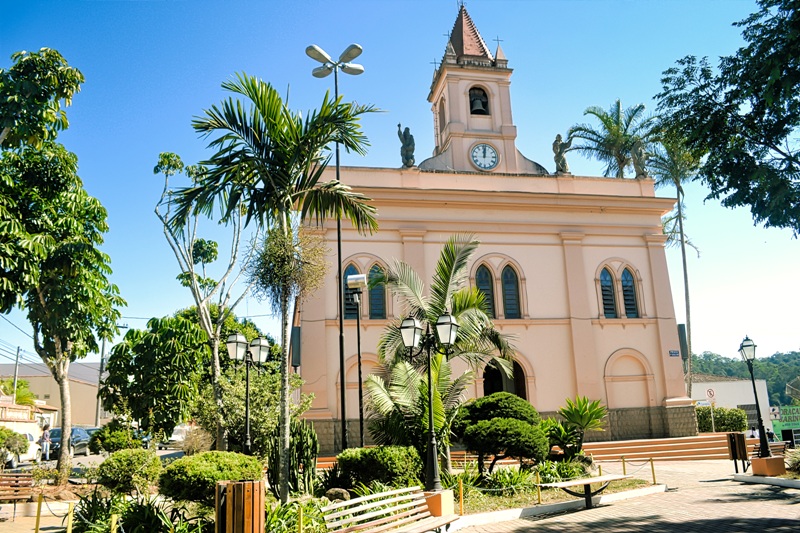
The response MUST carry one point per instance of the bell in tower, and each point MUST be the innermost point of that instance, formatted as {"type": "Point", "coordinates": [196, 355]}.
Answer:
{"type": "Point", "coordinates": [479, 102]}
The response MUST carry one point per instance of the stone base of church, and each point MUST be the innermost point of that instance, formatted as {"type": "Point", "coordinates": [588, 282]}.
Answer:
{"type": "Point", "coordinates": [622, 424]}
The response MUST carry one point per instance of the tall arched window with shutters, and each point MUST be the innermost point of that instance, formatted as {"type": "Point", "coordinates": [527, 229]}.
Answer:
{"type": "Point", "coordinates": [510, 281]}
{"type": "Point", "coordinates": [607, 292]}
{"type": "Point", "coordinates": [350, 306]}
{"type": "Point", "coordinates": [377, 295]}
{"type": "Point", "coordinates": [629, 294]}
{"type": "Point", "coordinates": [485, 283]}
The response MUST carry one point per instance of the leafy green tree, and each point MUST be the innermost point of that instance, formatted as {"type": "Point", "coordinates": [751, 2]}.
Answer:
{"type": "Point", "coordinates": [70, 302]}
{"type": "Point", "coordinates": [613, 140]}
{"type": "Point", "coordinates": [215, 300]}
{"type": "Point", "coordinates": [268, 164]}
{"type": "Point", "coordinates": [32, 91]}
{"type": "Point", "coordinates": [504, 425]}
{"type": "Point", "coordinates": [478, 341]}
{"type": "Point", "coordinates": [745, 115]}
{"type": "Point", "coordinates": [673, 165]}
{"type": "Point", "coordinates": [154, 374]}
{"type": "Point", "coordinates": [24, 396]}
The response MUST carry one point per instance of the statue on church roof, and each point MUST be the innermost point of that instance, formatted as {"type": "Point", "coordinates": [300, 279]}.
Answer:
{"type": "Point", "coordinates": [639, 159]}
{"type": "Point", "coordinates": [560, 149]}
{"type": "Point", "coordinates": [407, 148]}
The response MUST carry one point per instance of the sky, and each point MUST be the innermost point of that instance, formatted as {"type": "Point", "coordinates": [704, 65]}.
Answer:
{"type": "Point", "coordinates": [151, 66]}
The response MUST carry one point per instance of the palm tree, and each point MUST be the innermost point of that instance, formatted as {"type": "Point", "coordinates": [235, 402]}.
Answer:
{"type": "Point", "coordinates": [268, 163]}
{"type": "Point", "coordinates": [673, 164]}
{"type": "Point", "coordinates": [478, 341]}
{"type": "Point", "coordinates": [614, 140]}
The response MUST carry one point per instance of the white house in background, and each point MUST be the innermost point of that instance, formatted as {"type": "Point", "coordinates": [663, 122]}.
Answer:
{"type": "Point", "coordinates": [733, 392]}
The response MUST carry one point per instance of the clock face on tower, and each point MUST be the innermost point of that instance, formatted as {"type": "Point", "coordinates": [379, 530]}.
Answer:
{"type": "Point", "coordinates": [484, 156]}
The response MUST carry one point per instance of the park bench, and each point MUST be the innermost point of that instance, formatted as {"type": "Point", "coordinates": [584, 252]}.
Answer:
{"type": "Point", "coordinates": [587, 483]}
{"type": "Point", "coordinates": [396, 511]}
{"type": "Point", "coordinates": [15, 487]}
{"type": "Point", "coordinates": [777, 448]}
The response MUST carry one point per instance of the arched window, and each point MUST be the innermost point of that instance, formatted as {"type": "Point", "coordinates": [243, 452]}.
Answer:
{"type": "Point", "coordinates": [478, 102]}
{"type": "Point", "coordinates": [629, 294]}
{"type": "Point", "coordinates": [495, 380]}
{"type": "Point", "coordinates": [442, 121]}
{"type": "Point", "coordinates": [485, 284]}
{"type": "Point", "coordinates": [607, 291]}
{"type": "Point", "coordinates": [350, 306]}
{"type": "Point", "coordinates": [510, 293]}
{"type": "Point", "coordinates": [377, 295]}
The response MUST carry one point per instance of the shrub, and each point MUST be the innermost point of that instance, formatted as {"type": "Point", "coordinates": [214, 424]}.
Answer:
{"type": "Point", "coordinates": [194, 478]}
{"type": "Point", "coordinates": [95, 509]}
{"type": "Point", "coordinates": [555, 471]}
{"type": "Point", "coordinates": [113, 437]}
{"type": "Point", "coordinates": [12, 442]}
{"type": "Point", "coordinates": [128, 470]}
{"type": "Point", "coordinates": [725, 419]}
{"type": "Point", "coordinates": [506, 437]}
{"type": "Point", "coordinates": [283, 518]}
{"type": "Point", "coordinates": [196, 441]}
{"type": "Point", "coordinates": [399, 466]}
{"type": "Point", "coordinates": [793, 460]}
{"type": "Point", "coordinates": [497, 405]}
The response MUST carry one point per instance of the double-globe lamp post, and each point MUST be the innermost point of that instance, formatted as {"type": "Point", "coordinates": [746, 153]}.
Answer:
{"type": "Point", "coordinates": [748, 352]}
{"type": "Point", "coordinates": [329, 65]}
{"type": "Point", "coordinates": [446, 331]}
{"type": "Point", "coordinates": [255, 353]}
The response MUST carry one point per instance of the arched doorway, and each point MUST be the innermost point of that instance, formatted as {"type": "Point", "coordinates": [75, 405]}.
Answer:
{"type": "Point", "coordinates": [496, 381]}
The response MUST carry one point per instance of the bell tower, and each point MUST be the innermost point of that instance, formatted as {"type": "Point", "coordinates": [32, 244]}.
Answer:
{"type": "Point", "coordinates": [471, 103]}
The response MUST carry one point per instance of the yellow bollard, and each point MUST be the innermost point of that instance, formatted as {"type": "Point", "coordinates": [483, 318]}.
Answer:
{"type": "Point", "coordinates": [69, 517]}
{"type": "Point", "coordinates": [538, 488]}
{"type": "Point", "coordinates": [39, 512]}
{"type": "Point", "coordinates": [461, 496]}
{"type": "Point", "coordinates": [299, 519]}
{"type": "Point", "coordinates": [600, 469]}
{"type": "Point", "coordinates": [113, 523]}
{"type": "Point", "coordinates": [653, 469]}
{"type": "Point", "coordinates": [624, 469]}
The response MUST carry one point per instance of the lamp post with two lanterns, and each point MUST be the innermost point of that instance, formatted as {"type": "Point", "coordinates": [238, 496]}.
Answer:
{"type": "Point", "coordinates": [413, 337]}
{"type": "Point", "coordinates": [748, 352]}
{"type": "Point", "coordinates": [255, 353]}
{"type": "Point", "coordinates": [329, 65]}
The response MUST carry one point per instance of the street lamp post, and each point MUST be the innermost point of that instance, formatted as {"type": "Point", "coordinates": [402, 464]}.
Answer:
{"type": "Point", "coordinates": [446, 331]}
{"type": "Point", "coordinates": [329, 65]}
{"type": "Point", "coordinates": [357, 283]}
{"type": "Point", "coordinates": [748, 352]}
{"type": "Point", "coordinates": [253, 354]}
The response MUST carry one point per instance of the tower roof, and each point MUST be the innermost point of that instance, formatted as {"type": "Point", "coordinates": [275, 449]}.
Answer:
{"type": "Point", "coordinates": [465, 38]}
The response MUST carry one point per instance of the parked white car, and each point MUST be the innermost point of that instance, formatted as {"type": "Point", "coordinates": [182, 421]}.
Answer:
{"type": "Point", "coordinates": [176, 439]}
{"type": "Point", "coordinates": [34, 453]}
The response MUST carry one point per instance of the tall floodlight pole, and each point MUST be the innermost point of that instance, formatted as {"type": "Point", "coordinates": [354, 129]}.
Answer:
{"type": "Point", "coordinates": [329, 65]}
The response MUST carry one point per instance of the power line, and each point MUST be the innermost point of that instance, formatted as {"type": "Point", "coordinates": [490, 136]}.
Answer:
{"type": "Point", "coordinates": [16, 326]}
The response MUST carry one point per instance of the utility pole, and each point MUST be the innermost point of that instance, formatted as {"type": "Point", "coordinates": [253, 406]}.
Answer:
{"type": "Point", "coordinates": [99, 379]}
{"type": "Point", "coordinates": [16, 376]}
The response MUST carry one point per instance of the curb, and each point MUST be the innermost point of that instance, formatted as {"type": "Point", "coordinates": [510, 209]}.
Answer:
{"type": "Point", "coordinates": [774, 481]}
{"type": "Point", "coordinates": [551, 508]}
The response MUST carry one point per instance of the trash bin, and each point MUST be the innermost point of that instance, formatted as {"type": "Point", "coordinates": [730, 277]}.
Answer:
{"type": "Point", "coordinates": [240, 507]}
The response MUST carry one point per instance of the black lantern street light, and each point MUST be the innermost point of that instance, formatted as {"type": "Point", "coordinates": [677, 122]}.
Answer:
{"type": "Point", "coordinates": [748, 352]}
{"type": "Point", "coordinates": [329, 65]}
{"type": "Point", "coordinates": [255, 353]}
{"type": "Point", "coordinates": [446, 331]}
{"type": "Point", "coordinates": [355, 285]}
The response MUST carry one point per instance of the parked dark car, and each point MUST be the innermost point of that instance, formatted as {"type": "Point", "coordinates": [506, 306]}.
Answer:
{"type": "Point", "coordinates": [79, 443]}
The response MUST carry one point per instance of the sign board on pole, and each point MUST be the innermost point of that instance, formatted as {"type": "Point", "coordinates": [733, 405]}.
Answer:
{"type": "Point", "coordinates": [710, 394]}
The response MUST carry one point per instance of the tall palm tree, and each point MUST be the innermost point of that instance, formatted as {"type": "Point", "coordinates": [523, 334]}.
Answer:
{"type": "Point", "coordinates": [612, 142]}
{"type": "Point", "coordinates": [672, 164]}
{"type": "Point", "coordinates": [268, 163]}
{"type": "Point", "coordinates": [478, 341]}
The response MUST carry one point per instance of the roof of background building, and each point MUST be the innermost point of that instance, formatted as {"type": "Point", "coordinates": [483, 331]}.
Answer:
{"type": "Point", "coordinates": [710, 378]}
{"type": "Point", "coordinates": [78, 371]}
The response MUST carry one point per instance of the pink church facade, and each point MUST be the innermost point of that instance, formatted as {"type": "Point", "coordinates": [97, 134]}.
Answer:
{"type": "Point", "coordinates": [574, 266]}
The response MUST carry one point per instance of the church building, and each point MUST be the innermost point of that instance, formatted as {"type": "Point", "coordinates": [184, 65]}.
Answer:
{"type": "Point", "coordinates": [573, 266]}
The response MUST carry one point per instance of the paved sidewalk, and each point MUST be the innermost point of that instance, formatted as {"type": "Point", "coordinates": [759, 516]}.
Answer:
{"type": "Point", "coordinates": [701, 498]}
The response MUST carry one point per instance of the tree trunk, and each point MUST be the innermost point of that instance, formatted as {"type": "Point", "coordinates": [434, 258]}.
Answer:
{"type": "Point", "coordinates": [64, 466]}
{"type": "Point", "coordinates": [686, 295]}
{"type": "Point", "coordinates": [284, 416]}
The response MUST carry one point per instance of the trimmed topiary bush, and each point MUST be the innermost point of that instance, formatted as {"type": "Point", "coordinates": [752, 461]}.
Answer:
{"type": "Point", "coordinates": [497, 405]}
{"type": "Point", "coordinates": [398, 466]}
{"type": "Point", "coordinates": [195, 477]}
{"type": "Point", "coordinates": [113, 437]}
{"type": "Point", "coordinates": [506, 437]}
{"type": "Point", "coordinates": [128, 470]}
{"type": "Point", "coordinates": [725, 419]}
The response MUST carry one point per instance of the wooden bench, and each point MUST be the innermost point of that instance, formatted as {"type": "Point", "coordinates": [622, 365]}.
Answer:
{"type": "Point", "coordinates": [15, 487]}
{"type": "Point", "coordinates": [397, 511]}
{"type": "Point", "coordinates": [777, 448]}
{"type": "Point", "coordinates": [587, 483]}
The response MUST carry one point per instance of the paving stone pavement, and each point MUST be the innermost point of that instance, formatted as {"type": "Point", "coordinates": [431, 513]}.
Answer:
{"type": "Point", "coordinates": [701, 497]}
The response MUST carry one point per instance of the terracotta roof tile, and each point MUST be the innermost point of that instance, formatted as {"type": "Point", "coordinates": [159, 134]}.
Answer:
{"type": "Point", "coordinates": [466, 39]}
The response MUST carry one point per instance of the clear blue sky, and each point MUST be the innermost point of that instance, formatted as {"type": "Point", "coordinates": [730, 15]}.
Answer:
{"type": "Point", "coordinates": [151, 66]}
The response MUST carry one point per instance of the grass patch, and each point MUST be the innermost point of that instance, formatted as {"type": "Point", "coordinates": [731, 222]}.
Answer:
{"type": "Point", "coordinates": [476, 501]}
